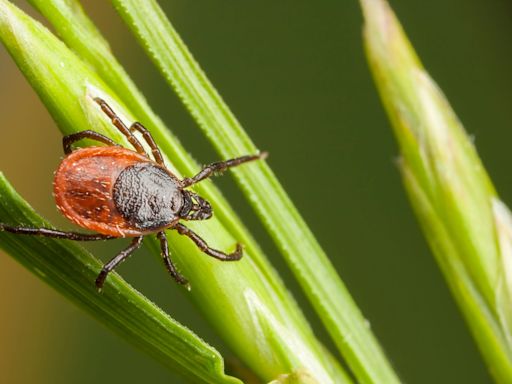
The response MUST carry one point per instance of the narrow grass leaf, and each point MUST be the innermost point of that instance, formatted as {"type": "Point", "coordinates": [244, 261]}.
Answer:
{"type": "Point", "coordinates": [467, 226]}
{"type": "Point", "coordinates": [80, 34]}
{"type": "Point", "coordinates": [67, 86]}
{"type": "Point", "coordinates": [70, 269]}
{"type": "Point", "coordinates": [322, 285]}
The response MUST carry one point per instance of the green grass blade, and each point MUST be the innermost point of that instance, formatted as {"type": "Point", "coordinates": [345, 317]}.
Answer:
{"type": "Point", "coordinates": [308, 261]}
{"type": "Point", "coordinates": [251, 311]}
{"type": "Point", "coordinates": [79, 33]}
{"type": "Point", "coordinates": [70, 269]}
{"type": "Point", "coordinates": [466, 225]}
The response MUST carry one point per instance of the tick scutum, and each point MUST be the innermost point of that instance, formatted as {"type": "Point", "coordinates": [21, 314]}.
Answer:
{"type": "Point", "coordinates": [147, 196]}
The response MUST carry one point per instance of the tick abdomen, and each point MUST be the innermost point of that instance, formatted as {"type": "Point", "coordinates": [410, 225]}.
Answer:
{"type": "Point", "coordinates": [84, 190]}
{"type": "Point", "coordinates": [148, 196]}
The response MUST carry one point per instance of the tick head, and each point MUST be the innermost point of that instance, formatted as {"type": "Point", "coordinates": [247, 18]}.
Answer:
{"type": "Point", "coordinates": [195, 207]}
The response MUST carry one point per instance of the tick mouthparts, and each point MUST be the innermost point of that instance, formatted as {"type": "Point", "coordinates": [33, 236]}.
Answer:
{"type": "Point", "coordinates": [195, 207]}
{"type": "Point", "coordinates": [202, 210]}
{"type": "Point", "coordinates": [205, 209]}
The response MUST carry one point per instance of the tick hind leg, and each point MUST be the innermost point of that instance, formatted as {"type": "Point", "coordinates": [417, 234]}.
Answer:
{"type": "Point", "coordinates": [171, 268]}
{"type": "Point", "coordinates": [121, 256]}
{"type": "Point", "coordinates": [220, 166]}
{"type": "Point", "coordinates": [47, 232]}
{"type": "Point", "coordinates": [203, 246]}
{"type": "Point", "coordinates": [67, 141]}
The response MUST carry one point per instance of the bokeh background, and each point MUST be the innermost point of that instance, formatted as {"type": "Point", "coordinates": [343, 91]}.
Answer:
{"type": "Point", "coordinates": [294, 73]}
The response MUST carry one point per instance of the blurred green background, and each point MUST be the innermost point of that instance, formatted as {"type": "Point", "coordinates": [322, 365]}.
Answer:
{"type": "Point", "coordinates": [294, 73]}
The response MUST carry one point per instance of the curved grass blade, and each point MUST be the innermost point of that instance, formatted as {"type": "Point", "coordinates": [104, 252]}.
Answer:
{"type": "Point", "coordinates": [70, 269]}
{"type": "Point", "coordinates": [225, 292]}
{"type": "Point", "coordinates": [467, 227]}
{"type": "Point", "coordinates": [312, 268]}
{"type": "Point", "coordinates": [79, 33]}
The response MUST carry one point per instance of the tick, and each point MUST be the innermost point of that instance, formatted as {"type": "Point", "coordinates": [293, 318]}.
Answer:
{"type": "Point", "coordinates": [117, 192]}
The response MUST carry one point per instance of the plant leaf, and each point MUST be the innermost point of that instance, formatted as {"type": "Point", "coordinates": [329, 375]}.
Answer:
{"type": "Point", "coordinates": [467, 227]}
{"type": "Point", "coordinates": [312, 268]}
{"type": "Point", "coordinates": [70, 269]}
{"type": "Point", "coordinates": [80, 34]}
{"type": "Point", "coordinates": [67, 86]}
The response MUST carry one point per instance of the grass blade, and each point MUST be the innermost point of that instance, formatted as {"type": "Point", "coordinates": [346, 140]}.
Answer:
{"type": "Point", "coordinates": [80, 34]}
{"type": "Point", "coordinates": [251, 311]}
{"type": "Point", "coordinates": [70, 269]}
{"type": "Point", "coordinates": [322, 285]}
{"type": "Point", "coordinates": [467, 226]}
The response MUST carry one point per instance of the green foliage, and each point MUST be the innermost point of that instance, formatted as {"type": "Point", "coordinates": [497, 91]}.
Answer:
{"type": "Point", "coordinates": [71, 270]}
{"type": "Point", "coordinates": [468, 227]}
{"type": "Point", "coordinates": [246, 300]}
{"type": "Point", "coordinates": [308, 261]}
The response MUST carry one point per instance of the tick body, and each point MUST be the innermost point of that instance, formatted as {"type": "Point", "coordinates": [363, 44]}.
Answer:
{"type": "Point", "coordinates": [118, 192]}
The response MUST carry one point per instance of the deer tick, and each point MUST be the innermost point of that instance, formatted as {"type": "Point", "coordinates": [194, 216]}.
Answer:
{"type": "Point", "coordinates": [118, 192]}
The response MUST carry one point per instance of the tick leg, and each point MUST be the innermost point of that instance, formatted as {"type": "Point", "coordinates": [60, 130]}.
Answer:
{"type": "Point", "coordinates": [112, 264]}
{"type": "Point", "coordinates": [220, 166]}
{"type": "Point", "coordinates": [236, 255]}
{"type": "Point", "coordinates": [149, 139]}
{"type": "Point", "coordinates": [167, 260]}
{"type": "Point", "coordinates": [68, 140]}
{"type": "Point", "coordinates": [47, 232]}
{"type": "Point", "coordinates": [117, 122]}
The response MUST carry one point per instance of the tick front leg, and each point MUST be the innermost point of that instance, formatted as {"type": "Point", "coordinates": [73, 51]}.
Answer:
{"type": "Point", "coordinates": [171, 268]}
{"type": "Point", "coordinates": [149, 139]}
{"type": "Point", "coordinates": [220, 166]}
{"type": "Point", "coordinates": [118, 123]}
{"type": "Point", "coordinates": [47, 232]}
{"type": "Point", "coordinates": [236, 255]}
{"type": "Point", "coordinates": [112, 264]}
